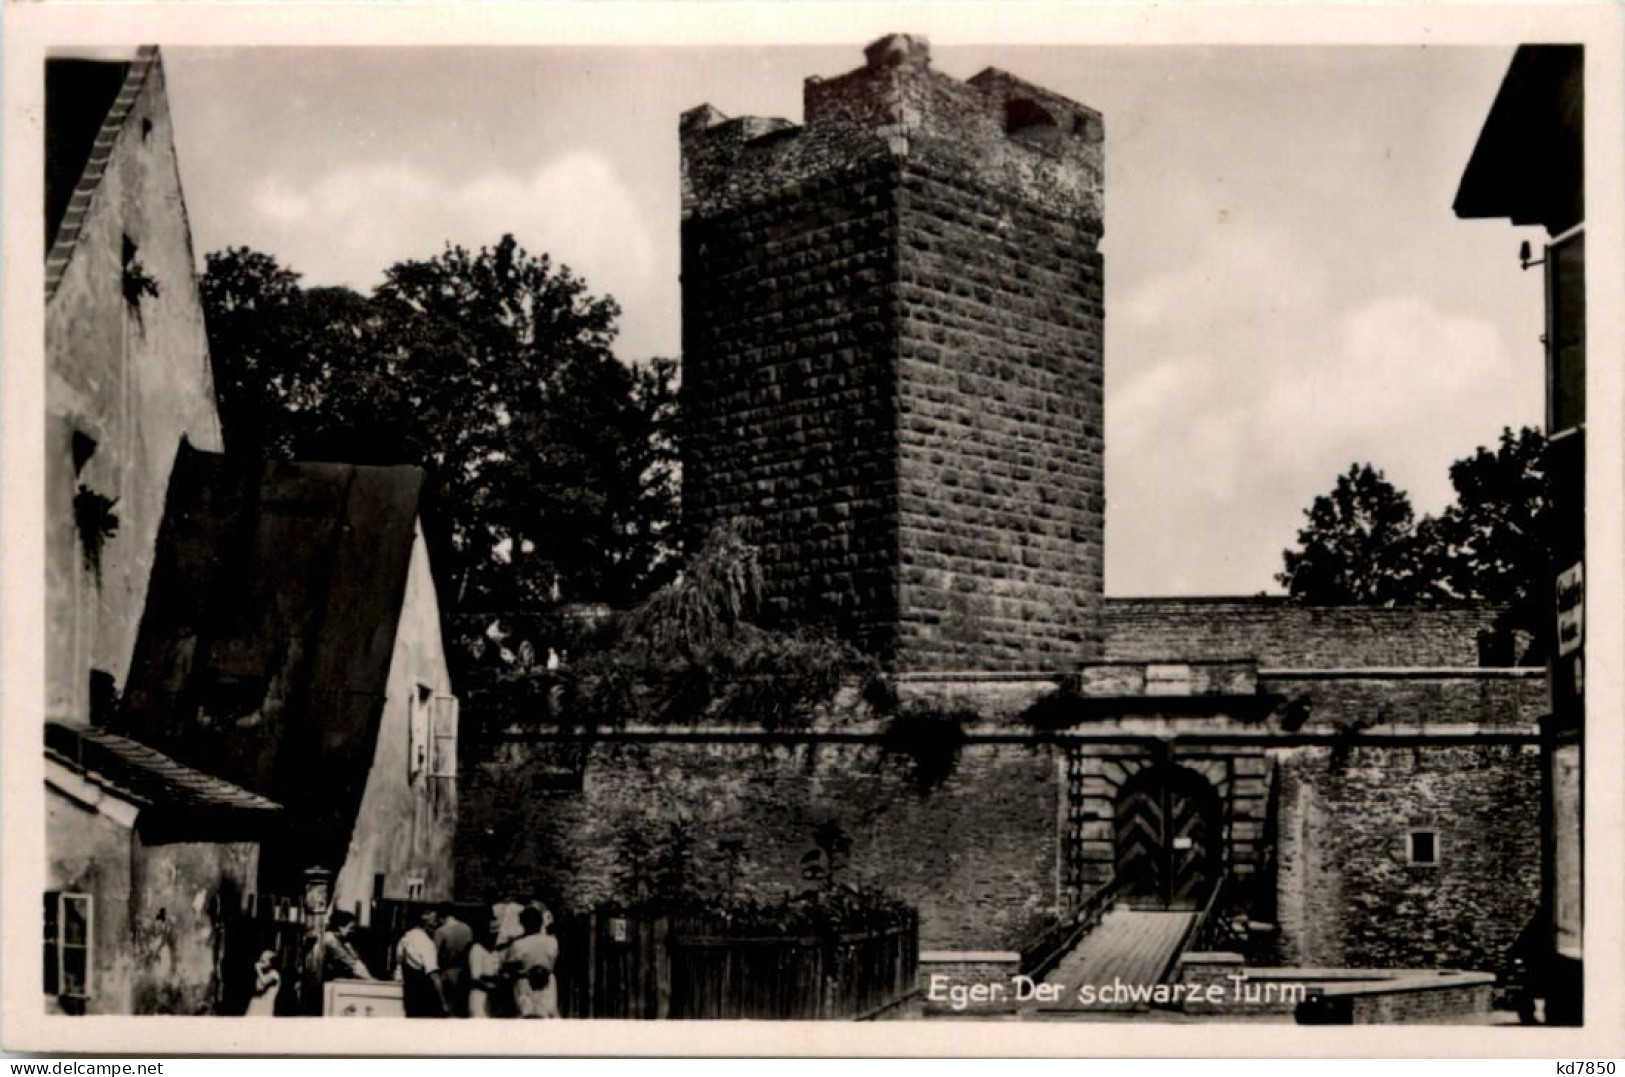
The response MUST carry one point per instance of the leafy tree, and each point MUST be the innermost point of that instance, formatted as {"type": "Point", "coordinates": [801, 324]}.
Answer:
{"type": "Point", "coordinates": [551, 465]}
{"type": "Point", "coordinates": [1491, 544]}
{"type": "Point", "coordinates": [1488, 543]}
{"type": "Point", "coordinates": [1359, 547]}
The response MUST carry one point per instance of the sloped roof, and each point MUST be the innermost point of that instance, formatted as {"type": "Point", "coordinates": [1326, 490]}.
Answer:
{"type": "Point", "coordinates": [86, 105]}
{"type": "Point", "coordinates": [1528, 164]}
{"type": "Point", "coordinates": [271, 616]}
{"type": "Point", "coordinates": [180, 797]}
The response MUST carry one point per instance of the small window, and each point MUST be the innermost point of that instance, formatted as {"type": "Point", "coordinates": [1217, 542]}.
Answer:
{"type": "Point", "coordinates": [68, 934]}
{"type": "Point", "coordinates": [1422, 848]}
{"type": "Point", "coordinates": [414, 888]}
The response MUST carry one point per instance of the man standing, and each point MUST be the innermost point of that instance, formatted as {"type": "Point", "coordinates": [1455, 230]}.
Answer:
{"type": "Point", "coordinates": [452, 940]}
{"type": "Point", "coordinates": [417, 967]}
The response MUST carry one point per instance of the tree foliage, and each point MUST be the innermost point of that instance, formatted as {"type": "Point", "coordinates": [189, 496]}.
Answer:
{"type": "Point", "coordinates": [1490, 542]}
{"type": "Point", "coordinates": [551, 467]}
{"type": "Point", "coordinates": [1359, 547]}
{"type": "Point", "coordinates": [1363, 544]}
{"type": "Point", "coordinates": [693, 652]}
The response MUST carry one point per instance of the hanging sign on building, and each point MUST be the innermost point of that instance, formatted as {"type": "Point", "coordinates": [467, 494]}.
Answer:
{"type": "Point", "coordinates": [1570, 609]}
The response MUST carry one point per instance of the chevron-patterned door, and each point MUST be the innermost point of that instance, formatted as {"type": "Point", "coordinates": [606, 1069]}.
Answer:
{"type": "Point", "coordinates": [1167, 838]}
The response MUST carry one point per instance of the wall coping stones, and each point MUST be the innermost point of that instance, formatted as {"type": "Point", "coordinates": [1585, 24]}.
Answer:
{"type": "Point", "coordinates": [1402, 981]}
{"type": "Point", "coordinates": [874, 733]}
{"type": "Point", "coordinates": [1389, 673]}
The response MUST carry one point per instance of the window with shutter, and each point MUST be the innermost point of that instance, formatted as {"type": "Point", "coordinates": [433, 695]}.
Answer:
{"type": "Point", "coordinates": [444, 757]}
{"type": "Point", "coordinates": [417, 749]}
{"type": "Point", "coordinates": [53, 975]}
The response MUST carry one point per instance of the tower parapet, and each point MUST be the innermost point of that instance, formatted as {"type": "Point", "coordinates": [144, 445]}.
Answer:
{"type": "Point", "coordinates": [1016, 136]}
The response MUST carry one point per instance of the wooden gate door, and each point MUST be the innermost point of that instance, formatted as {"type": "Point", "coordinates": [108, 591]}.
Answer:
{"type": "Point", "coordinates": [1167, 838]}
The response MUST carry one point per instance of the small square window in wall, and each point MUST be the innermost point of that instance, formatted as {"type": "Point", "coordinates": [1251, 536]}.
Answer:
{"type": "Point", "coordinates": [1422, 847]}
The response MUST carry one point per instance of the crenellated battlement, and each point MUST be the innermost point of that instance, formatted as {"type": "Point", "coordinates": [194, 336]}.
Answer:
{"type": "Point", "coordinates": [1011, 135]}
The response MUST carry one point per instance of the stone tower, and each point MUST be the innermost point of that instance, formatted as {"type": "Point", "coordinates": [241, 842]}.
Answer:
{"type": "Point", "coordinates": [892, 359]}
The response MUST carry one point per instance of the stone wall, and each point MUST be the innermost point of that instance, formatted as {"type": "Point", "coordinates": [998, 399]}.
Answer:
{"type": "Point", "coordinates": [157, 908]}
{"type": "Point", "coordinates": [90, 853]}
{"type": "Point", "coordinates": [788, 394]}
{"type": "Point", "coordinates": [1347, 892]}
{"type": "Point", "coordinates": [1001, 485]}
{"type": "Point", "coordinates": [1278, 632]}
{"type": "Point", "coordinates": [129, 376]}
{"type": "Point", "coordinates": [978, 856]}
{"type": "Point", "coordinates": [1486, 700]}
{"type": "Point", "coordinates": [893, 364]}
{"type": "Point", "coordinates": [180, 891]}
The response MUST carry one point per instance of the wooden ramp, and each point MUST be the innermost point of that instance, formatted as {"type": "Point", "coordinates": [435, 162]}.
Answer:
{"type": "Point", "coordinates": [1122, 958]}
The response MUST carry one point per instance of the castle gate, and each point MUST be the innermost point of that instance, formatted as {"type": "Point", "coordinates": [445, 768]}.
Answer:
{"type": "Point", "coordinates": [1168, 831]}
{"type": "Point", "coordinates": [1167, 821]}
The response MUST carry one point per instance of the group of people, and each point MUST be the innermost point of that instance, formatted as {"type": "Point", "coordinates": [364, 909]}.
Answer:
{"type": "Point", "coordinates": [445, 967]}
{"type": "Point", "coordinates": [506, 970]}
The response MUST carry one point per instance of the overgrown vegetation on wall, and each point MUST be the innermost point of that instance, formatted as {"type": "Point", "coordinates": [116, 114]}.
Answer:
{"type": "Point", "coordinates": [930, 740]}
{"type": "Point", "coordinates": [694, 652]}
{"type": "Point", "coordinates": [657, 873]}
{"type": "Point", "coordinates": [1057, 708]}
{"type": "Point", "coordinates": [96, 523]}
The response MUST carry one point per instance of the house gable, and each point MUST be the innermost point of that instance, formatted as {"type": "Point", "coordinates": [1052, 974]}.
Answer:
{"type": "Point", "coordinates": [401, 843]}
{"type": "Point", "coordinates": [127, 367]}
{"type": "Point", "coordinates": [267, 644]}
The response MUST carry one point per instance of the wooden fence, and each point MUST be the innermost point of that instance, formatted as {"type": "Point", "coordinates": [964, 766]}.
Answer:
{"type": "Point", "coordinates": [626, 967]}
{"type": "Point", "coordinates": [617, 966]}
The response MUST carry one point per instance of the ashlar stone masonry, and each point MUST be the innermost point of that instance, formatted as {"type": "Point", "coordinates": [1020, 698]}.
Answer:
{"type": "Point", "coordinates": [892, 361]}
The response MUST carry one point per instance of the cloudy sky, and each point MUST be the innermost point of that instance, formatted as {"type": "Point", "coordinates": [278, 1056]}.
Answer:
{"type": "Point", "coordinates": [1287, 289]}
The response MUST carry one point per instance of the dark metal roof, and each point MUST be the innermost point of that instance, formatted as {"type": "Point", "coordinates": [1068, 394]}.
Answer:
{"type": "Point", "coordinates": [271, 615]}
{"type": "Point", "coordinates": [174, 798]}
{"type": "Point", "coordinates": [1529, 162]}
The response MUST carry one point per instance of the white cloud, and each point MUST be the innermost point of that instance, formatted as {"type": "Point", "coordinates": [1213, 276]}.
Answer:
{"type": "Point", "coordinates": [1251, 270]}
{"type": "Point", "coordinates": [1400, 383]}
{"type": "Point", "coordinates": [1242, 410]}
{"type": "Point", "coordinates": [347, 226]}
